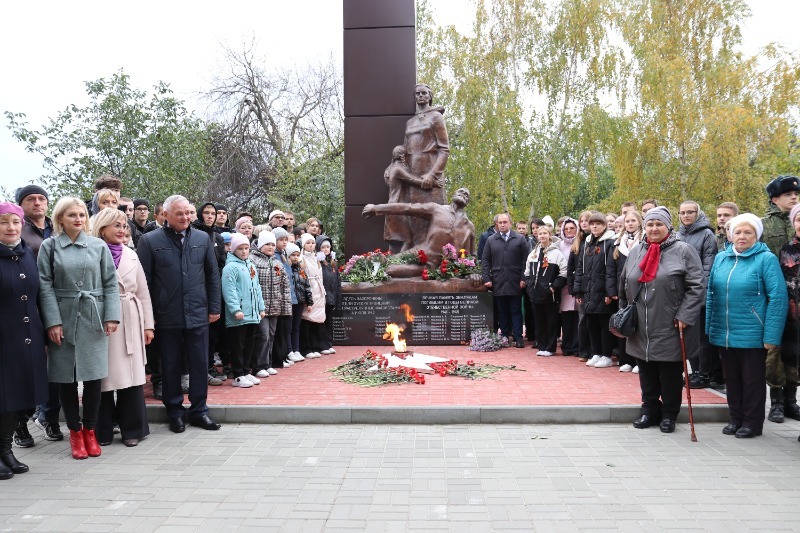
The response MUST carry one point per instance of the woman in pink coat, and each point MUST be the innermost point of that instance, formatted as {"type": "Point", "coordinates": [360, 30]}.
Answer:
{"type": "Point", "coordinates": [126, 347]}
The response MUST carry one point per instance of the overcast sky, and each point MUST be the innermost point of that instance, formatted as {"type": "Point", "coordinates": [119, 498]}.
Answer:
{"type": "Point", "coordinates": [50, 48]}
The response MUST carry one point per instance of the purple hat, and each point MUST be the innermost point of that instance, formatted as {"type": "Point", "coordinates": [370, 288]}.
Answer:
{"type": "Point", "coordinates": [14, 209]}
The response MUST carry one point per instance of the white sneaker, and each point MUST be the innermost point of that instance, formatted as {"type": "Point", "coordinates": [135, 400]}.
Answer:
{"type": "Point", "coordinates": [635, 369]}
{"type": "Point", "coordinates": [593, 361]}
{"type": "Point", "coordinates": [262, 374]}
{"type": "Point", "coordinates": [312, 355]}
{"type": "Point", "coordinates": [242, 382]}
{"type": "Point", "coordinates": [325, 352]}
{"type": "Point", "coordinates": [331, 350]}
{"type": "Point", "coordinates": [271, 371]}
{"type": "Point", "coordinates": [296, 357]}
{"type": "Point", "coordinates": [604, 362]}
{"type": "Point", "coordinates": [544, 353]}
{"type": "Point", "coordinates": [252, 379]}
{"type": "Point", "coordinates": [287, 362]}
{"type": "Point", "coordinates": [625, 368]}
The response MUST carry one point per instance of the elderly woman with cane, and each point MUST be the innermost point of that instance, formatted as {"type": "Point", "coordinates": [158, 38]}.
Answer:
{"type": "Point", "coordinates": [664, 277]}
{"type": "Point", "coordinates": [746, 308]}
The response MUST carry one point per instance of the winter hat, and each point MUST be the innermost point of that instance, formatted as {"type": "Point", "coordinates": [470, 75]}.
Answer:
{"type": "Point", "coordinates": [276, 212]}
{"type": "Point", "coordinates": [27, 190]}
{"type": "Point", "coordinates": [226, 236]}
{"type": "Point", "coordinates": [793, 213]}
{"type": "Point", "coordinates": [548, 220]}
{"type": "Point", "coordinates": [748, 218]}
{"type": "Point", "coordinates": [141, 201]}
{"type": "Point", "coordinates": [304, 238]}
{"type": "Point", "coordinates": [8, 207]}
{"type": "Point", "coordinates": [241, 221]}
{"type": "Point", "coordinates": [619, 220]}
{"type": "Point", "coordinates": [280, 233]}
{"type": "Point", "coordinates": [321, 239]}
{"type": "Point", "coordinates": [265, 237]}
{"type": "Point", "coordinates": [782, 184]}
{"type": "Point", "coordinates": [237, 239]}
{"type": "Point", "coordinates": [221, 207]}
{"type": "Point", "coordinates": [292, 248]}
{"type": "Point", "coordinates": [659, 213]}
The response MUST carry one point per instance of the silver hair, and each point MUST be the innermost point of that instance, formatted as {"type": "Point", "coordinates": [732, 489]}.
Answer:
{"type": "Point", "coordinates": [172, 199]}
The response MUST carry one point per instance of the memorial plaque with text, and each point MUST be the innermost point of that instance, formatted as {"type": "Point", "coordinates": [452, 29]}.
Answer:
{"type": "Point", "coordinates": [438, 319]}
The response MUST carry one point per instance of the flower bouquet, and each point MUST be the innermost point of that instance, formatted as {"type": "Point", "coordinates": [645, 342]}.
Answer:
{"type": "Point", "coordinates": [366, 268]}
{"type": "Point", "coordinates": [483, 340]}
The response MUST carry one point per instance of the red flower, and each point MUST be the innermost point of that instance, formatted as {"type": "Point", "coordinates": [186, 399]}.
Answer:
{"type": "Point", "coordinates": [425, 274]}
{"type": "Point", "coordinates": [422, 257]}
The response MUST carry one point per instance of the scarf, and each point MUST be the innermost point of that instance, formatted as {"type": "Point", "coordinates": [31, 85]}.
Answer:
{"type": "Point", "coordinates": [651, 259]}
{"type": "Point", "coordinates": [12, 245]}
{"type": "Point", "coordinates": [116, 253]}
{"type": "Point", "coordinates": [623, 246]}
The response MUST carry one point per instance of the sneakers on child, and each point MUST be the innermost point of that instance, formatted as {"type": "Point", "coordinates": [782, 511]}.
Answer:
{"type": "Point", "coordinates": [252, 379]}
{"type": "Point", "coordinates": [242, 382]}
{"type": "Point", "coordinates": [262, 374]}
{"type": "Point", "coordinates": [593, 361]}
{"type": "Point", "coordinates": [296, 357]}
{"type": "Point", "coordinates": [635, 369]}
{"type": "Point", "coordinates": [313, 355]}
{"type": "Point", "coordinates": [625, 368]}
{"type": "Point", "coordinates": [604, 362]}
{"type": "Point", "coordinates": [271, 371]}
{"type": "Point", "coordinates": [325, 352]}
{"type": "Point", "coordinates": [331, 350]}
{"type": "Point", "coordinates": [287, 363]}
{"type": "Point", "coordinates": [544, 353]}
{"type": "Point", "coordinates": [214, 382]}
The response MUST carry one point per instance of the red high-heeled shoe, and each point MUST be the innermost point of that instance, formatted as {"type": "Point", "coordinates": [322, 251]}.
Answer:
{"type": "Point", "coordinates": [92, 448]}
{"type": "Point", "coordinates": [77, 444]}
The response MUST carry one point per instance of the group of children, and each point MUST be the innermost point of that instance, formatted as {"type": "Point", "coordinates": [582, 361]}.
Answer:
{"type": "Point", "coordinates": [278, 300]}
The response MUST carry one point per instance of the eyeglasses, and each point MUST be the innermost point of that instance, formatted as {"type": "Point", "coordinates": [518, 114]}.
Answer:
{"type": "Point", "coordinates": [681, 213]}
{"type": "Point", "coordinates": [142, 208]}
{"type": "Point", "coordinates": [279, 216]}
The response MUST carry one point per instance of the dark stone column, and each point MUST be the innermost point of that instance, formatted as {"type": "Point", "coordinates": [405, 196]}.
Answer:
{"type": "Point", "coordinates": [380, 71]}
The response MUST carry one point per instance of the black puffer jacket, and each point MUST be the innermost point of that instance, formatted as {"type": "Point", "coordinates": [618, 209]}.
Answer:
{"type": "Point", "coordinates": [331, 279]}
{"type": "Point", "coordinates": [302, 288]}
{"type": "Point", "coordinates": [542, 276]}
{"type": "Point", "coordinates": [592, 280]}
{"type": "Point", "coordinates": [701, 237]}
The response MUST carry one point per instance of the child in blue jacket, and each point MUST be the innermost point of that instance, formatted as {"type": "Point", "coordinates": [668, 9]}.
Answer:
{"type": "Point", "coordinates": [244, 309]}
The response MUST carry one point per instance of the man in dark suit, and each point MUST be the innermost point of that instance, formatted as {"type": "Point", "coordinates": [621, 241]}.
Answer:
{"type": "Point", "coordinates": [184, 281]}
{"type": "Point", "coordinates": [503, 264]}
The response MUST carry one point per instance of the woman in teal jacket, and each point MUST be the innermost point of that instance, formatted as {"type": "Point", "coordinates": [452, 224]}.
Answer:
{"type": "Point", "coordinates": [746, 308]}
{"type": "Point", "coordinates": [244, 309]}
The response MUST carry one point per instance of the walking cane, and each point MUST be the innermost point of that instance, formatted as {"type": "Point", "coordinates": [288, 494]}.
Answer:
{"type": "Point", "coordinates": [686, 377]}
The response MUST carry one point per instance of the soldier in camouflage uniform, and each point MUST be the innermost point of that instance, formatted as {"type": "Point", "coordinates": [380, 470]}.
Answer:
{"type": "Point", "coordinates": [782, 376]}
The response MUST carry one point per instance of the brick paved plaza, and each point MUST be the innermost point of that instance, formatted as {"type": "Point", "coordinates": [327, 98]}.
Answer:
{"type": "Point", "coordinates": [414, 478]}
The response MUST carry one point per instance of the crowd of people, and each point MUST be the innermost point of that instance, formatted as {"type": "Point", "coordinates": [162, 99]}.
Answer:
{"type": "Point", "coordinates": [728, 293]}
{"type": "Point", "coordinates": [98, 295]}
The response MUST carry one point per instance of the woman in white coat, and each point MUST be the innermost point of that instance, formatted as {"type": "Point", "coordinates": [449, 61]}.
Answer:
{"type": "Point", "coordinates": [126, 347]}
{"type": "Point", "coordinates": [312, 326]}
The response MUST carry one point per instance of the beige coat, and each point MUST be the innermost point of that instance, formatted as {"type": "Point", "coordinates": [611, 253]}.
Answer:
{"type": "Point", "coordinates": [126, 354]}
{"type": "Point", "coordinates": [316, 312]}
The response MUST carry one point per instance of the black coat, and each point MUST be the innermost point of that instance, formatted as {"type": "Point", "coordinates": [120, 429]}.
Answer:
{"type": "Point", "coordinates": [216, 240]}
{"type": "Point", "coordinates": [184, 282]}
{"type": "Point", "coordinates": [302, 288]}
{"type": "Point", "coordinates": [541, 279]}
{"type": "Point", "coordinates": [483, 238]}
{"type": "Point", "coordinates": [23, 360]}
{"type": "Point", "coordinates": [592, 282]}
{"type": "Point", "coordinates": [503, 263]}
{"type": "Point", "coordinates": [572, 261]}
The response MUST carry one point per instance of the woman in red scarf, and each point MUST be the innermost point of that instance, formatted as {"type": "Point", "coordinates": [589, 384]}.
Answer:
{"type": "Point", "coordinates": [670, 276]}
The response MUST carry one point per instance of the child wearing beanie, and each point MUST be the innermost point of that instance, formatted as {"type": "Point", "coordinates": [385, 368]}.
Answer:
{"type": "Point", "coordinates": [244, 309]}
{"type": "Point", "coordinates": [312, 326]}
{"type": "Point", "coordinates": [302, 290]}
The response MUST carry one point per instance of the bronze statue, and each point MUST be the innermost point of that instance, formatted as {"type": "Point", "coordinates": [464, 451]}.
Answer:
{"type": "Point", "coordinates": [446, 224]}
{"type": "Point", "coordinates": [416, 176]}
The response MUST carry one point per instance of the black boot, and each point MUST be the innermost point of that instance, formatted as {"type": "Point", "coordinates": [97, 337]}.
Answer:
{"type": "Point", "coordinates": [776, 405]}
{"type": "Point", "coordinates": [7, 423]}
{"type": "Point", "coordinates": [790, 407]}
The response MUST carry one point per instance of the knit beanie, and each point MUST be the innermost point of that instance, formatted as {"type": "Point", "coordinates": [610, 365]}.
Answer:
{"type": "Point", "coordinates": [265, 237]}
{"type": "Point", "coordinates": [304, 238]}
{"type": "Point", "coordinates": [141, 201]}
{"type": "Point", "coordinates": [659, 213]}
{"type": "Point", "coordinates": [241, 221]}
{"type": "Point", "coordinates": [793, 213]}
{"type": "Point", "coordinates": [237, 239]}
{"type": "Point", "coordinates": [292, 248]}
{"type": "Point", "coordinates": [280, 233]}
{"type": "Point", "coordinates": [27, 190]}
{"type": "Point", "coordinates": [748, 218]}
{"type": "Point", "coordinates": [8, 207]}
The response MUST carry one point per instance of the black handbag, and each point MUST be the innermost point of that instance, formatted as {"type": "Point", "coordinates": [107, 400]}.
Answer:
{"type": "Point", "coordinates": [623, 323]}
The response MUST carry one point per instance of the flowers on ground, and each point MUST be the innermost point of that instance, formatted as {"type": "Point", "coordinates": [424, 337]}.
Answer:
{"type": "Point", "coordinates": [483, 340]}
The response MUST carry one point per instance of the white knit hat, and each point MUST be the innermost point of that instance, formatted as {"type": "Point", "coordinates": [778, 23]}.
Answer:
{"type": "Point", "coordinates": [748, 218]}
{"type": "Point", "coordinates": [265, 237]}
{"type": "Point", "coordinates": [305, 237]}
{"type": "Point", "coordinates": [292, 248]}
